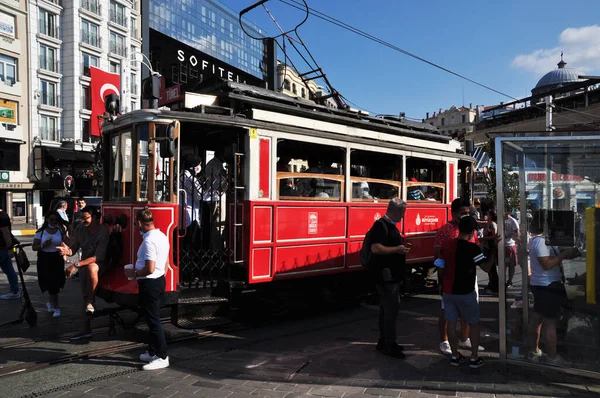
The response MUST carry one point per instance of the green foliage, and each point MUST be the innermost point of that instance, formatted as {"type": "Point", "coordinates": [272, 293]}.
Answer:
{"type": "Point", "coordinates": [510, 179]}
{"type": "Point", "coordinates": [98, 168]}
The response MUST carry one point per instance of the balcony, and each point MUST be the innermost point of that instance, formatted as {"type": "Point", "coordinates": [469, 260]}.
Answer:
{"type": "Point", "coordinates": [92, 6]}
{"type": "Point", "coordinates": [91, 38]}
{"type": "Point", "coordinates": [49, 64]}
{"type": "Point", "coordinates": [48, 30]}
{"type": "Point", "coordinates": [118, 18]}
{"type": "Point", "coordinates": [118, 49]}
{"type": "Point", "coordinates": [50, 100]}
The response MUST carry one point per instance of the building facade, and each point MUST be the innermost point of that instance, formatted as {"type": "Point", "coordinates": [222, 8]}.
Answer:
{"type": "Point", "coordinates": [455, 122]}
{"type": "Point", "coordinates": [290, 83]}
{"type": "Point", "coordinates": [66, 39]}
{"type": "Point", "coordinates": [15, 187]}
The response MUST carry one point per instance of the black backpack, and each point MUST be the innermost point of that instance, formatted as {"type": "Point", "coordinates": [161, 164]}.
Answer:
{"type": "Point", "coordinates": [366, 256]}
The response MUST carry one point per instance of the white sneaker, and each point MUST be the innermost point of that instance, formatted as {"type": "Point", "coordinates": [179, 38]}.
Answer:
{"type": "Point", "coordinates": [445, 348]}
{"type": "Point", "coordinates": [11, 296]}
{"type": "Point", "coordinates": [157, 363]}
{"type": "Point", "coordinates": [50, 307]}
{"type": "Point", "coordinates": [145, 357]}
{"type": "Point", "coordinates": [89, 310]}
{"type": "Point", "coordinates": [56, 313]}
{"type": "Point", "coordinates": [467, 344]}
{"type": "Point", "coordinates": [535, 356]}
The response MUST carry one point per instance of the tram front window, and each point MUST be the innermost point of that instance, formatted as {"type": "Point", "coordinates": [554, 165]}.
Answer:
{"type": "Point", "coordinates": [375, 176]}
{"type": "Point", "coordinates": [425, 180]}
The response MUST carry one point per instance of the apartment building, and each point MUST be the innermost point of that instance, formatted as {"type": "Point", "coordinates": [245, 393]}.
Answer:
{"type": "Point", "coordinates": [66, 39]}
{"type": "Point", "coordinates": [15, 188]}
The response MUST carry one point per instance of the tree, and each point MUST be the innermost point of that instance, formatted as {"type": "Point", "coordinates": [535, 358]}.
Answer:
{"type": "Point", "coordinates": [510, 179]}
{"type": "Point", "coordinates": [97, 168]}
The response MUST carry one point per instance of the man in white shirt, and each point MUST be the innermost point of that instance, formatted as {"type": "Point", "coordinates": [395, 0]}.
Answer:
{"type": "Point", "coordinates": [149, 270]}
{"type": "Point", "coordinates": [511, 231]}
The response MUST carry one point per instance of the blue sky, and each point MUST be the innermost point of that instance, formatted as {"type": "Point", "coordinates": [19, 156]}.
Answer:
{"type": "Point", "coordinates": [507, 45]}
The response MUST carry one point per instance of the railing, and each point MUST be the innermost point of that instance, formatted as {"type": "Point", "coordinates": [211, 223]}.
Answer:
{"type": "Point", "coordinates": [51, 31]}
{"type": "Point", "coordinates": [118, 18]}
{"type": "Point", "coordinates": [48, 64]}
{"type": "Point", "coordinates": [118, 49]}
{"type": "Point", "coordinates": [133, 32]}
{"type": "Point", "coordinates": [50, 134]}
{"type": "Point", "coordinates": [86, 103]}
{"type": "Point", "coordinates": [91, 38]}
{"type": "Point", "coordinates": [92, 6]}
{"type": "Point", "coordinates": [133, 88]}
{"type": "Point", "coordinates": [50, 100]}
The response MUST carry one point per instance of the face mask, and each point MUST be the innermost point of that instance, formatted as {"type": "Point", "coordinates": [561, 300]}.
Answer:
{"type": "Point", "coordinates": [53, 225]}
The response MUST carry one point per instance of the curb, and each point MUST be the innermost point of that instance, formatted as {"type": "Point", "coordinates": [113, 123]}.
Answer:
{"type": "Point", "coordinates": [23, 232]}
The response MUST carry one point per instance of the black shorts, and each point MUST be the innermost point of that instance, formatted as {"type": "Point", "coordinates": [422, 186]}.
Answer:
{"type": "Point", "coordinates": [548, 299]}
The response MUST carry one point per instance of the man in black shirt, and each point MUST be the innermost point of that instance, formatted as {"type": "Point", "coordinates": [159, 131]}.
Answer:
{"type": "Point", "coordinates": [6, 253]}
{"type": "Point", "coordinates": [389, 259]}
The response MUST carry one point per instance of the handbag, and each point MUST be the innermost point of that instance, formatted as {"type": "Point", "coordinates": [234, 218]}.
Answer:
{"type": "Point", "coordinates": [22, 260]}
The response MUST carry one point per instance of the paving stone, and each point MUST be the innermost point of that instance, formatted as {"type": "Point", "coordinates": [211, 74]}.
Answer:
{"type": "Point", "coordinates": [475, 394]}
{"type": "Point", "coordinates": [347, 389]}
{"type": "Point", "coordinates": [416, 394]}
{"type": "Point", "coordinates": [107, 392]}
{"type": "Point", "coordinates": [126, 394]}
{"type": "Point", "coordinates": [293, 388]}
{"type": "Point", "coordinates": [182, 388]}
{"type": "Point", "coordinates": [264, 385]}
{"type": "Point", "coordinates": [208, 384]}
{"type": "Point", "coordinates": [164, 394]}
{"type": "Point", "coordinates": [238, 389]}
{"type": "Point", "coordinates": [382, 392]}
{"type": "Point", "coordinates": [268, 393]}
{"type": "Point", "coordinates": [324, 392]}
{"type": "Point", "coordinates": [210, 393]}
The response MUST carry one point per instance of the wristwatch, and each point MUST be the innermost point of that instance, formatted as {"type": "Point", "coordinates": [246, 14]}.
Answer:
{"type": "Point", "coordinates": [76, 265]}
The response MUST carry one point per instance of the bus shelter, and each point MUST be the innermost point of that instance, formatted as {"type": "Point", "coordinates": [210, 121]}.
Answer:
{"type": "Point", "coordinates": [550, 185]}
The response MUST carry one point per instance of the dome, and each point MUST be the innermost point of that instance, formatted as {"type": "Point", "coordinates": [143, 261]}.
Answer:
{"type": "Point", "coordinates": [557, 78]}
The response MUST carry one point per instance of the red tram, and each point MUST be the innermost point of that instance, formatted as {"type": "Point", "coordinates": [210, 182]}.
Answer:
{"type": "Point", "coordinates": [283, 194]}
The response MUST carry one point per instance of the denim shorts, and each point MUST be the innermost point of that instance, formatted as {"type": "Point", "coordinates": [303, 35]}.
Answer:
{"type": "Point", "coordinates": [461, 305]}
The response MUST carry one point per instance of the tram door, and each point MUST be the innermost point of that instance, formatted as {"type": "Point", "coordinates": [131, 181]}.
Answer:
{"type": "Point", "coordinates": [209, 183]}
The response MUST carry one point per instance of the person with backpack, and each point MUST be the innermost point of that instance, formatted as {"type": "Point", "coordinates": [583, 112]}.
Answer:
{"type": "Point", "coordinates": [50, 264]}
{"type": "Point", "coordinates": [384, 254]}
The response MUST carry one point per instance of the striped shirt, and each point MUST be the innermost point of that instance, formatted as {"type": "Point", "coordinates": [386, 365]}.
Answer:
{"type": "Point", "coordinates": [459, 258]}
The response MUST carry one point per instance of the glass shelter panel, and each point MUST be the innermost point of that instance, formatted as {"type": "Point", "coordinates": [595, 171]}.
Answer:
{"type": "Point", "coordinates": [549, 198]}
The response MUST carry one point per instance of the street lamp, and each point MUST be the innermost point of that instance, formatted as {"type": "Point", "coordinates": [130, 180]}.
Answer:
{"type": "Point", "coordinates": [151, 85]}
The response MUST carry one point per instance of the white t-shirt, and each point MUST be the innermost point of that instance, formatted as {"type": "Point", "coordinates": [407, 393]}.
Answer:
{"type": "Point", "coordinates": [539, 276]}
{"type": "Point", "coordinates": [43, 235]}
{"type": "Point", "coordinates": [511, 226]}
{"type": "Point", "coordinates": [155, 246]}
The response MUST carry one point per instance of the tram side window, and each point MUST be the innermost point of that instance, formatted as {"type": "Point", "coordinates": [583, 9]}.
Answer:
{"type": "Point", "coordinates": [375, 176]}
{"type": "Point", "coordinates": [122, 166]}
{"type": "Point", "coordinates": [425, 180]}
{"type": "Point", "coordinates": [310, 172]}
{"type": "Point", "coordinates": [143, 136]}
{"type": "Point", "coordinates": [162, 170]}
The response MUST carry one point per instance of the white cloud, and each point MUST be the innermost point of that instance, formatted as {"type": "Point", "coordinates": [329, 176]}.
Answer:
{"type": "Point", "coordinates": [580, 45]}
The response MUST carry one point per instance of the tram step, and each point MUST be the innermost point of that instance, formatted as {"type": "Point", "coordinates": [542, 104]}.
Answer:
{"type": "Point", "coordinates": [200, 322]}
{"type": "Point", "coordinates": [201, 300]}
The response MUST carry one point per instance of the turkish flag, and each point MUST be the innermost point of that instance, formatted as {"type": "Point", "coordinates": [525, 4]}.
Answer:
{"type": "Point", "coordinates": [103, 83]}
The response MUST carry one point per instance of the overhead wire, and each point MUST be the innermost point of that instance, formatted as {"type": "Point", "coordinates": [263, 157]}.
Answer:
{"type": "Point", "coordinates": [353, 29]}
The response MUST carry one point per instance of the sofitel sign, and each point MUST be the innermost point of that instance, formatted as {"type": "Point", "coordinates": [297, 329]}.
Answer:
{"type": "Point", "coordinates": [205, 65]}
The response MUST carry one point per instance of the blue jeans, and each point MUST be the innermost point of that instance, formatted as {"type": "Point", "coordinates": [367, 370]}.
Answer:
{"type": "Point", "coordinates": [7, 267]}
{"type": "Point", "coordinates": [389, 305]}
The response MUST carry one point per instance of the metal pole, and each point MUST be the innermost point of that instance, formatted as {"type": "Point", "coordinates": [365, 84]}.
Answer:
{"type": "Point", "coordinates": [501, 264]}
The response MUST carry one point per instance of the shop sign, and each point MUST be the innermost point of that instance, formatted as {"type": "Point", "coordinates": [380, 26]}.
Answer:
{"type": "Point", "coordinates": [539, 177]}
{"type": "Point", "coordinates": [7, 25]}
{"type": "Point", "coordinates": [4, 176]}
{"type": "Point", "coordinates": [16, 185]}
{"type": "Point", "coordinates": [8, 111]}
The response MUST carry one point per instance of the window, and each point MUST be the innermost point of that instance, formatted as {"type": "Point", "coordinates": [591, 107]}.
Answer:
{"type": "Point", "coordinates": [92, 6]}
{"type": "Point", "coordinates": [89, 33]}
{"type": "Point", "coordinates": [286, 84]}
{"type": "Point", "coordinates": [86, 102]}
{"type": "Point", "coordinates": [85, 130]}
{"type": "Point", "coordinates": [294, 90]}
{"type": "Point", "coordinates": [121, 166]}
{"type": "Point", "coordinates": [464, 118]}
{"type": "Point", "coordinates": [48, 93]}
{"type": "Point", "coordinates": [443, 121]}
{"type": "Point", "coordinates": [303, 92]}
{"type": "Point", "coordinates": [375, 176]}
{"type": "Point", "coordinates": [114, 67]}
{"type": "Point", "coordinates": [117, 14]}
{"type": "Point", "coordinates": [133, 84]}
{"type": "Point", "coordinates": [19, 205]}
{"type": "Point", "coordinates": [143, 139]}
{"type": "Point", "coordinates": [320, 176]}
{"type": "Point", "coordinates": [48, 59]}
{"type": "Point", "coordinates": [8, 69]}
{"type": "Point", "coordinates": [425, 180]}
{"type": "Point", "coordinates": [48, 23]}
{"type": "Point", "coordinates": [10, 157]}
{"type": "Point", "coordinates": [117, 44]}
{"type": "Point", "coordinates": [87, 61]}
{"type": "Point", "coordinates": [133, 105]}
{"type": "Point", "coordinates": [48, 128]}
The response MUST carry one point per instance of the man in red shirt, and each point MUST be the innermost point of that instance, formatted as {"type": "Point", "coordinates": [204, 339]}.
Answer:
{"type": "Point", "coordinates": [459, 208]}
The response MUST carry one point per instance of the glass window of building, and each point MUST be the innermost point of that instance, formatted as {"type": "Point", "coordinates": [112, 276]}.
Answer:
{"type": "Point", "coordinates": [48, 58]}
{"type": "Point", "coordinates": [10, 157]}
{"type": "Point", "coordinates": [286, 85]}
{"type": "Point", "coordinates": [89, 33]}
{"type": "Point", "coordinates": [85, 130]}
{"type": "Point", "coordinates": [88, 60]}
{"type": "Point", "coordinates": [303, 93]}
{"type": "Point", "coordinates": [464, 118]}
{"type": "Point", "coordinates": [8, 69]}
{"type": "Point", "coordinates": [117, 44]}
{"type": "Point", "coordinates": [48, 93]}
{"type": "Point", "coordinates": [48, 23]}
{"type": "Point", "coordinates": [117, 14]}
{"type": "Point", "coordinates": [48, 128]}
{"type": "Point", "coordinates": [114, 67]}
{"type": "Point", "coordinates": [86, 102]}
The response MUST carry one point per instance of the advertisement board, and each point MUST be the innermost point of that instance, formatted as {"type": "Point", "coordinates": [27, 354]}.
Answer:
{"type": "Point", "coordinates": [7, 25]}
{"type": "Point", "coordinates": [8, 111]}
